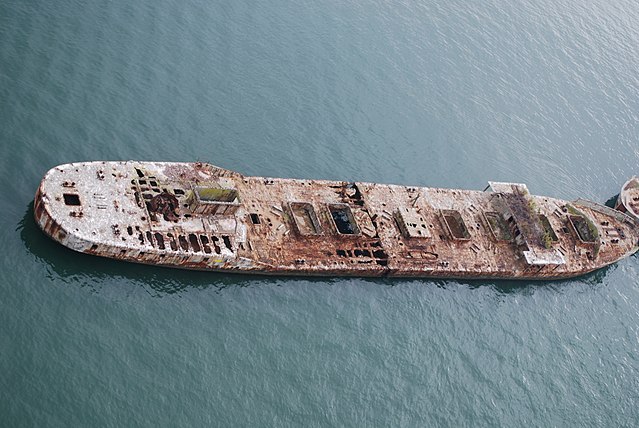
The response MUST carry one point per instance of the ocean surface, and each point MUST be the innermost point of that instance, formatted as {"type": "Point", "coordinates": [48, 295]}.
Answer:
{"type": "Point", "coordinates": [427, 93]}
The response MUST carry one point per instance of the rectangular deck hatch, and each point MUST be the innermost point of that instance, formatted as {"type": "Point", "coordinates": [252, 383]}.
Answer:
{"type": "Point", "coordinates": [305, 218]}
{"type": "Point", "coordinates": [498, 226]}
{"type": "Point", "coordinates": [455, 224]}
{"type": "Point", "coordinates": [210, 194]}
{"type": "Point", "coordinates": [343, 219]}
{"type": "Point", "coordinates": [71, 199]}
{"type": "Point", "coordinates": [549, 236]}
{"type": "Point", "coordinates": [586, 231]}
{"type": "Point", "coordinates": [214, 200]}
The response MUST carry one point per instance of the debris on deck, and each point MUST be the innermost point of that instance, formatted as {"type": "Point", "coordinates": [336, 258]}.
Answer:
{"type": "Point", "coordinates": [199, 216]}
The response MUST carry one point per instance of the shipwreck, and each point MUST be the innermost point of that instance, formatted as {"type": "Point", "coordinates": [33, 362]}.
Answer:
{"type": "Point", "coordinates": [199, 216]}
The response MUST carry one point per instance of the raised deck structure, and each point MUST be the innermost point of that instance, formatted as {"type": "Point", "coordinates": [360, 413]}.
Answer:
{"type": "Point", "coordinates": [199, 216]}
{"type": "Point", "coordinates": [628, 199]}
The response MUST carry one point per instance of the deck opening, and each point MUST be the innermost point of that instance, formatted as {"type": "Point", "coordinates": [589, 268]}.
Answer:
{"type": "Point", "coordinates": [381, 257]}
{"type": "Point", "coordinates": [227, 242]}
{"type": "Point", "coordinates": [211, 194]}
{"type": "Point", "coordinates": [498, 226]}
{"type": "Point", "coordinates": [172, 242]}
{"type": "Point", "coordinates": [71, 199]}
{"type": "Point", "coordinates": [183, 242]}
{"type": "Point", "coordinates": [194, 243]}
{"type": "Point", "coordinates": [149, 238]}
{"type": "Point", "coordinates": [361, 253]}
{"type": "Point", "coordinates": [305, 219]}
{"type": "Point", "coordinates": [255, 218]}
{"type": "Point", "coordinates": [216, 247]}
{"type": "Point", "coordinates": [343, 219]}
{"type": "Point", "coordinates": [140, 173]}
{"type": "Point", "coordinates": [205, 244]}
{"type": "Point", "coordinates": [455, 224]}
{"type": "Point", "coordinates": [160, 240]}
{"type": "Point", "coordinates": [165, 204]}
{"type": "Point", "coordinates": [380, 254]}
{"type": "Point", "coordinates": [585, 231]}
{"type": "Point", "coordinates": [213, 201]}
{"type": "Point", "coordinates": [549, 236]}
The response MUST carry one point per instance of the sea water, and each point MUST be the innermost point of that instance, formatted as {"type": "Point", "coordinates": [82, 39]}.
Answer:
{"type": "Point", "coordinates": [425, 93]}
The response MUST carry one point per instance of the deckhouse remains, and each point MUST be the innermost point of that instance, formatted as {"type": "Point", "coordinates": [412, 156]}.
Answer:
{"type": "Point", "coordinates": [199, 216]}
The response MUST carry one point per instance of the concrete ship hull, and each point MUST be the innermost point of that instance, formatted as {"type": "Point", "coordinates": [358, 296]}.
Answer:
{"type": "Point", "coordinates": [628, 199]}
{"type": "Point", "coordinates": [199, 216]}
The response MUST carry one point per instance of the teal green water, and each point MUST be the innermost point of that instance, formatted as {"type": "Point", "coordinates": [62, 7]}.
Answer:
{"type": "Point", "coordinates": [448, 94]}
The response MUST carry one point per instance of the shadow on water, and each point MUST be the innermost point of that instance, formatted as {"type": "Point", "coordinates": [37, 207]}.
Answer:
{"type": "Point", "coordinates": [612, 201]}
{"type": "Point", "coordinates": [592, 279]}
{"type": "Point", "coordinates": [68, 264]}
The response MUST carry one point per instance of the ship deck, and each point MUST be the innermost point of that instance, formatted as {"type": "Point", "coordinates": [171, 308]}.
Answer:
{"type": "Point", "coordinates": [198, 216]}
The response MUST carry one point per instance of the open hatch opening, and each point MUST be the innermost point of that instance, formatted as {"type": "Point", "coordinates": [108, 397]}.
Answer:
{"type": "Point", "coordinates": [255, 218]}
{"type": "Point", "coordinates": [549, 237]}
{"type": "Point", "coordinates": [586, 231]}
{"type": "Point", "coordinates": [498, 226]}
{"type": "Point", "coordinates": [455, 224]}
{"type": "Point", "coordinates": [214, 201]}
{"type": "Point", "coordinates": [305, 218]}
{"type": "Point", "coordinates": [211, 194]}
{"type": "Point", "coordinates": [343, 219]}
{"type": "Point", "coordinates": [71, 199]}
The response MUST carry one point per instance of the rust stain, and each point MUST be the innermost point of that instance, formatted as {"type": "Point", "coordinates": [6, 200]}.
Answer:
{"type": "Point", "coordinates": [198, 216]}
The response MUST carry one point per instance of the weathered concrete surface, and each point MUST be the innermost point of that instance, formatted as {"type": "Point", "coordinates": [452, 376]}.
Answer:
{"type": "Point", "coordinates": [628, 200]}
{"type": "Point", "coordinates": [198, 216]}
